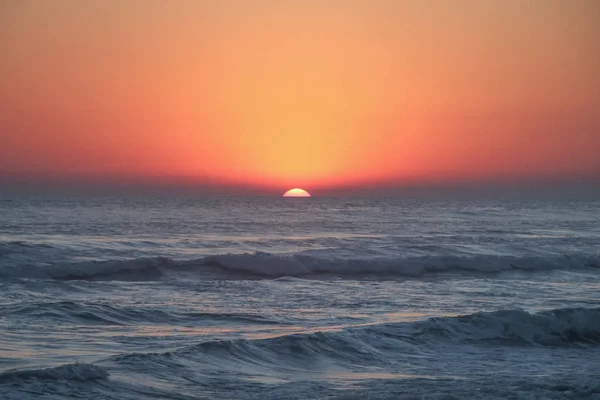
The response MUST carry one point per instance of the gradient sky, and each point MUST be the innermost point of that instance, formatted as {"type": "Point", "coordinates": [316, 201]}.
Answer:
{"type": "Point", "coordinates": [315, 94]}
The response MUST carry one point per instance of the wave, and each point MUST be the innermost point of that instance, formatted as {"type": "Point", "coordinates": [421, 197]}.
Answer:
{"type": "Point", "coordinates": [353, 349]}
{"type": "Point", "coordinates": [141, 269]}
{"type": "Point", "coordinates": [104, 314]}
{"type": "Point", "coordinates": [374, 344]}
{"type": "Point", "coordinates": [556, 327]}
{"type": "Point", "coordinates": [14, 246]}
{"type": "Point", "coordinates": [68, 372]}
{"type": "Point", "coordinates": [272, 265]}
{"type": "Point", "coordinates": [266, 265]}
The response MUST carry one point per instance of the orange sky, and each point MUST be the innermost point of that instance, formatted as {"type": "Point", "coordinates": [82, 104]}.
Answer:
{"type": "Point", "coordinates": [312, 93]}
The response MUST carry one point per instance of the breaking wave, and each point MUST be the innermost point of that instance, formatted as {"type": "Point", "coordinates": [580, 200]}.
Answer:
{"type": "Point", "coordinates": [373, 344]}
{"type": "Point", "coordinates": [548, 328]}
{"type": "Point", "coordinates": [266, 265]}
{"type": "Point", "coordinates": [352, 348]}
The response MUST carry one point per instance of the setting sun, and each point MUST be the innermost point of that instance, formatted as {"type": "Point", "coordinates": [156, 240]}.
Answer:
{"type": "Point", "coordinates": [296, 193]}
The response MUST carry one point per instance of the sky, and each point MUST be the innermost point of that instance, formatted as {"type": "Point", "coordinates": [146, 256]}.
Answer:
{"type": "Point", "coordinates": [262, 96]}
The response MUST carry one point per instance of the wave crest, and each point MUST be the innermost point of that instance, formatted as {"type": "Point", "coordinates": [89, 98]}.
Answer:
{"type": "Point", "coordinates": [265, 265]}
{"type": "Point", "coordinates": [272, 265]}
{"type": "Point", "coordinates": [370, 345]}
{"type": "Point", "coordinates": [103, 314]}
{"type": "Point", "coordinates": [69, 372]}
{"type": "Point", "coordinates": [549, 328]}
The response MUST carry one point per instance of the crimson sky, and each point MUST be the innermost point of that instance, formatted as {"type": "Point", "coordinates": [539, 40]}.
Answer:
{"type": "Point", "coordinates": [275, 94]}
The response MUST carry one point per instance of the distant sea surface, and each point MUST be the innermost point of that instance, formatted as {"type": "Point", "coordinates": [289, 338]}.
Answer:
{"type": "Point", "coordinates": [320, 298]}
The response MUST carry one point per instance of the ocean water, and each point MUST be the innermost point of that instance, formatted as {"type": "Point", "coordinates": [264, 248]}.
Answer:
{"type": "Point", "coordinates": [321, 298]}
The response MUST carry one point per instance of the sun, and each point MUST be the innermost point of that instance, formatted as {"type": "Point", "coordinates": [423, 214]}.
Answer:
{"type": "Point", "coordinates": [296, 192]}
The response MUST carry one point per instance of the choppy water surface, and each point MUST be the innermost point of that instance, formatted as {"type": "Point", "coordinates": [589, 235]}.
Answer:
{"type": "Point", "coordinates": [299, 298]}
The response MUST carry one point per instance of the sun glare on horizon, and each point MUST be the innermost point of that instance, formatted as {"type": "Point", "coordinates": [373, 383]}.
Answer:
{"type": "Point", "coordinates": [296, 192]}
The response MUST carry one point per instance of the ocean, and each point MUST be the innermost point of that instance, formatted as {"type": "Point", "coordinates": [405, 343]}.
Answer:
{"type": "Point", "coordinates": [310, 298]}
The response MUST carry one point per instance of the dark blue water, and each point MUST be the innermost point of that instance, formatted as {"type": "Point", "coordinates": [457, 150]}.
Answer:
{"type": "Point", "coordinates": [114, 298]}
